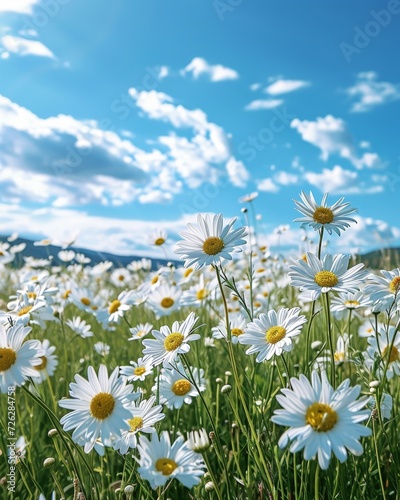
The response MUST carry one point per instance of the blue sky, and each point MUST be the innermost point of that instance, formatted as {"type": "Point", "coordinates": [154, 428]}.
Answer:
{"type": "Point", "coordinates": [118, 119]}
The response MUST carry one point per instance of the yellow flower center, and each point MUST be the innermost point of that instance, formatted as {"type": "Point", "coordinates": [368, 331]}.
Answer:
{"type": "Point", "coordinates": [114, 306]}
{"type": "Point", "coordinates": [323, 215]}
{"type": "Point", "coordinates": [121, 277]}
{"type": "Point", "coordinates": [102, 405]}
{"type": "Point", "coordinates": [181, 387]}
{"type": "Point", "coordinates": [213, 245]}
{"type": "Point", "coordinates": [139, 370]}
{"type": "Point", "coordinates": [34, 278]}
{"type": "Point", "coordinates": [394, 354]}
{"type": "Point", "coordinates": [66, 294]}
{"type": "Point", "coordinates": [166, 466]}
{"type": "Point", "coordinates": [167, 302]}
{"type": "Point", "coordinates": [7, 358]}
{"type": "Point", "coordinates": [135, 423]}
{"type": "Point", "coordinates": [188, 272]}
{"type": "Point", "coordinates": [154, 280]}
{"type": "Point", "coordinates": [85, 301]}
{"type": "Point", "coordinates": [32, 295]}
{"type": "Point", "coordinates": [260, 270]}
{"type": "Point", "coordinates": [326, 279]}
{"type": "Point", "coordinates": [339, 357]}
{"type": "Point", "coordinates": [24, 310]}
{"type": "Point", "coordinates": [275, 334]}
{"type": "Point", "coordinates": [159, 242]}
{"type": "Point", "coordinates": [173, 341]}
{"type": "Point", "coordinates": [351, 304]}
{"type": "Point", "coordinates": [395, 285]}
{"type": "Point", "coordinates": [236, 332]}
{"type": "Point", "coordinates": [304, 257]}
{"type": "Point", "coordinates": [42, 365]}
{"type": "Point", "coordinates": [202, 294]}
{"type": "Point", "coordinates": [321, 417]}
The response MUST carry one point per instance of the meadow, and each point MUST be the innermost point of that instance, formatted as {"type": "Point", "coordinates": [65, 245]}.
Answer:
{"type": "Point", "coordinates": [237, 374]}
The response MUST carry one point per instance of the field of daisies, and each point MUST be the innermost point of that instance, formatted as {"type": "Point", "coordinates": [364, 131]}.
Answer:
{"type": "Point", "coordinates": [235, 374]}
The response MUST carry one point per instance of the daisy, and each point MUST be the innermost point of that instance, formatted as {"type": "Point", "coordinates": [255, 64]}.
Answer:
{"type": "Point", "coordinates": [168, 343]}
{"type": "Point", "coordinates": [385, 347]}
{"type": "Point", "coordinates": [115, 309]}
{"type": "Point", "coordinates": [209, 241]}
{"type": "Point", "coordinates": [120, 277]}
{"type": "Point", "coordinates": [49, 361]}
{"type": "Point", "coordinates": [159, 461]}
{"type": "Point", "coordinates": [329, 274]}
{"type": "Point", "coordinates": [158, 238]}
{"type": "Point", "coordinates": [164, 300]}
{"type": "Point", "coordinates": [140, 331]}
{"type": "Point", "coordinates": [321, 419]}
{"type": "Point", "coordinates": [366, 329]}
{"type": "Point", "coordinates": [144, 417]}
{"type": "Point", "coordinates": [271, 334]}
{"type": "Point", "coordinates": [102, 348]}
{"type": "Point", "coordinates": [198, 294]}
{"type": "Point", "coordinates": [18, 359]}
{"type": "Point", "coordinates": [385, 288]}
{"type": "Point", "coordinates": [80, 327]}
{"type": "Point", "coordinates": [101, 407]}
{"type": "Point", "coordinates": [334, 218]}
{"type": "Point", "coordinates": [350, 301]}
{"type": "Point", "coordinates": [198, 441]}
{"type": "Point", "coordinates": [237, 324]}
{"type": "Point", "coordinates": [27, 310]}
{"type": "Point", "coordinates": [138, 370]}
{"type": "Point", "coordinates": [175, 389]}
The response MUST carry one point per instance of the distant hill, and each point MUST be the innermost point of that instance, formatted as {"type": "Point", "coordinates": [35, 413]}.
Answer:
{"type": "Point", "coordinates": [387, 258]}
{"type": "Point", "coordinates": [43, 252]}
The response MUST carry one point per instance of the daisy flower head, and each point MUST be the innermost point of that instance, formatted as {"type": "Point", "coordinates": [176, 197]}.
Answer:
{"type": "Point", "coordinates": [101, 407]}
{"type": "Point", "coordinates": [18, 359]}
{"type": "Point", "coordinates": [237, 323]}
{"type": "Point", "coordinates": [160, 461]}
{"type": "Point", "coordinates": [168, 343]}
{"type": "Point", "coordinates": [385, 288]}
{"type": "Point", "coordinates": [140, 331]}
{"type": "Point", "coordinates": [164, 300]}
{"type": "Point", "coordinates": [138, 370]}
{"type": "Point", "coordinates": [158, 238]}
{"type": "Point", "coordinates": [322, 420]}
{"type": "Point", "coordinates": [384, 347]}
{"type": "Point", "coordinates": [49, 361]}
{"type": "Point", "coordinates": [102, 348]}
{"type": "Point", "coordinates": [144, 418]}
{"type": "Point", "coordinates": [176, 389]}
{"type": "Point", "coordinates": [320, 276]}
{"type": "Point", "coordinates": [209, 241]}
{"type": "Point", "coordinates": [271, 334]}
{"type": "Point", "coordinates": [332, 218]}
{"type": "Point", "coordinates": [80, 327]}
{"type": "Point", "coordinates": [350, 301]}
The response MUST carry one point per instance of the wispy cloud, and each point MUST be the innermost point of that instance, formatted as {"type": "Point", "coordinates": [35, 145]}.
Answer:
{"type": "Point", "coordinates": [282, 86]}
{"type": "Point", "coordinates": [25, 47]}
{"type": "Point", "coordinates": [369, 93]}
{"type": "Point", "coordinates": [215, 72]}
{"type": "Point", "coordinates": [258, 104]}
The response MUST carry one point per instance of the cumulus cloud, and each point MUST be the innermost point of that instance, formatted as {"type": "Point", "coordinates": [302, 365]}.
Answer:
{"type": "Point", "coordinates": [285, 86]}
{"type": "Point", "coordinates": [216, 73]}
{"type": "Point", "coordinates": [238, 174]}
{"type": "Point", "coordinates": [369, 93]}
{"type": "Point", "coordinates": [268, 185]}
{"type": "Point", "coordinates": [263, 104]}
{"type": "Point", "coordinates": [340, 181]}
{"type": "Point", "coordinates": [285, 178]}
{"type": "Point", "coordinates": [331, 136]}
{"type": "Point", "coordinates": [25, 47]}
{"type": "Point", "coordinates": [18, 6]}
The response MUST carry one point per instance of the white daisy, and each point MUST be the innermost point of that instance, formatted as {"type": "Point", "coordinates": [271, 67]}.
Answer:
{"type": "Point", "coordinates": [102, 348]}
{"type": "Point", "coordinates": [209, 241]}
{"type": "Point", "coordinates": [331, 273]}
{"type": "Point", "coordinates": [80, 327]}
{"type": "Point", "coordinates": [164, 300]}
{"type": "Point", "coordinates": [237, 324]}
{"type": "Point", "coordinates": [18, 359]}
{"type": "Point", "coordinates": [350, 301]}
{"type": "Point", "coordinates": [138, 370]}
{"type": "Point", "coordinates": [321, 419]}
{"type": "Point", "coordinates": [384, 348]}
{"type": "Point", "coordinates": [140, 331]}
{"type": "Point", "coordinates": [366, 329]}
{"type": "Point", "coordinates": [175, 389]}
{"type": "Point", "coordinates": [159, 461]}
{"type": "Point", "coordinates": [385, 288]}
{"type": "Point", "coordinates": [49, 361]}
{"type": "Point", "coordinates": [334, 218]}
{"type": "Point", "coordinates": [271, 334]}
{"type": "Point", "coordinates": [158, 238]}
{"type": "Point", "coordinates": [168, 343]}
{"type": "Point", "coordinates": [101, 407]}
{"type": "Point", "coordinates": [143, 419]}
{"type": "Point", "coordinates": [198, 441]}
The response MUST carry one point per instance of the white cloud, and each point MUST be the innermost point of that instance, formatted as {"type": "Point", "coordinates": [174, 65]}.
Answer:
{"type": "Point", "coordinates": [155, 196]}
{"type": "Point", "coordinates": [285, 178]}
{"type": "Point", "coordinates": [284, 86]}
{"type": "Point", "coordinates": [263, 104]}
{"type": "Point", "coordinates": [340, 181]}
{"type": "Point", "coordinates": [368, 234]}
{"type": "Point", "coordinates": [25, 47]}
{"type": "Point", "coordinates": [18, 6]}
{"type": "Point", "coordinates": [237, 172]}
{"type": "Point", "coordinates": [268, 185]}
{"type": "Point", "coordinates": [217, 73]}
{"type": "Point", "coordinates": [368, 92]}
{"type": "Point", "coordinates": [332, 136]}
{"type": "Point", "coordinates": [163, 72]}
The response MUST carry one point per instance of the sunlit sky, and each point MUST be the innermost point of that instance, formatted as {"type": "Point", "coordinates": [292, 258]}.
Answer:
{"type": "Point", "coordinates": [120, 118]}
